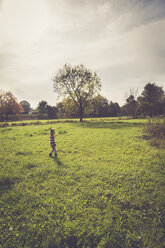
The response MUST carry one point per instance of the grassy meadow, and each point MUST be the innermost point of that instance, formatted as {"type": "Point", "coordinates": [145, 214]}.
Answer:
{"type": "Point", "coordinates": [105, 189]}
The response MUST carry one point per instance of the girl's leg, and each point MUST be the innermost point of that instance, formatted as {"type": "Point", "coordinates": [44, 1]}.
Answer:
{"type": "Point", "coordinates": [50, 154]}
{"type": "Point", "coordinates": [55, 151]}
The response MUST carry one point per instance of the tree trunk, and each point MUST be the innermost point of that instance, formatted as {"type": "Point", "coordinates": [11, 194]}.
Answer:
{"type": "Point", "coordinates": [81, 114]}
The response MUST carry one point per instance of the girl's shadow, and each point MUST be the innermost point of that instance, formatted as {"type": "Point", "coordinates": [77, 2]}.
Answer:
{"type": "Point", "coordinates": [58, 161]}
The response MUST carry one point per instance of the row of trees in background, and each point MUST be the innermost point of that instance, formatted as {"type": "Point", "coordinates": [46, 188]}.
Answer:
{"type": "Point", "coordinates": [97, 107]}
{"type": "Point", "coordinates": [80, 89]}
{"type": "Point", "coordinates": [151, 102]}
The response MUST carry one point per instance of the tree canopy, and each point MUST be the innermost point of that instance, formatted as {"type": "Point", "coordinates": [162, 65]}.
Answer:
{"type": "Point", "coordinates": [26, 106]}
{"type": "Point", "coordinates": [79, 83]}
{"type": "Point", "coordinates": [42, 107]}
{"type": "Point", "coordinates": [9, 104]}
{"type": "Point", "coordinates": [151, 102]}
{"type": "Point", "coordinates": [114, 109]}
{"type": "Point", "coordinates": [99, 107]}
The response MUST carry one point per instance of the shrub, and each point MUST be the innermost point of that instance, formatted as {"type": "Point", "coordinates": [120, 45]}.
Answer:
{"type": "Point", "coordinates": [154, 131]}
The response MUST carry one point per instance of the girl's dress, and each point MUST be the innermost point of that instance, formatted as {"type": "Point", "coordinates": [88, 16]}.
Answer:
{"type": "Point", "coordinates": [53, 145]}
{"type": "Point", "coordinates": [52, 141]}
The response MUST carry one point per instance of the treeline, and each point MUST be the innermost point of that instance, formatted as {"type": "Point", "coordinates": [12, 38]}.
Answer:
{"type": "Point", "coordinates": [97, 107]}
{"type": "Point", "coordinates": [151, 103]}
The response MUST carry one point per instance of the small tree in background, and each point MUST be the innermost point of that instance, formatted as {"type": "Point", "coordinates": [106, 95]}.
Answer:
{"type": "Point", "coordinates": [114, 109]}
{"type": "Point", "coordinates": [26, 106]}
{"type": "Point", "coordinates": [9, 104]}
{"type": "Point", "coordinates": [60, 112]}
{"type": "Point", "coordinates": [100, 107]}
{"type": "Point", "coordinates": [130, 107]}
{"type": "Point", "coordinates": [79, 83]}
{"type": "Point", "coordinates": [42, 107]}
{"type": "Point", "coordinates": [52, 112]}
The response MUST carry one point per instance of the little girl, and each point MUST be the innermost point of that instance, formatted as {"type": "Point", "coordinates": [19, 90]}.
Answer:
{"type": "Point", "coordinates": [52, 142]}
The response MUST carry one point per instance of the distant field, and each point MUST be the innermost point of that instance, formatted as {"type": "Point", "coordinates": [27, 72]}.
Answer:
{"type": "Point", "coordinates": [105, 189]}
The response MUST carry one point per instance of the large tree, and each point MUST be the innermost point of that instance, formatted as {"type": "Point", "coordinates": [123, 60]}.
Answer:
{"type": "Point", "coordinates": [78, 82]}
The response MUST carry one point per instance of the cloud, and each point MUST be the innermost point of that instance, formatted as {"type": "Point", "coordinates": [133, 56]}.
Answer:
{"type": "Point", "coordinates": [123, 40]}
{"type": "Point", "coordinates": [128, 13]}
{"type": "Point", "coordinates": [133, 13]}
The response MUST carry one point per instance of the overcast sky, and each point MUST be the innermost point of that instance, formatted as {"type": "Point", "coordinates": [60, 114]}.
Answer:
{"type": "Point", "coordinates": [122, 40]}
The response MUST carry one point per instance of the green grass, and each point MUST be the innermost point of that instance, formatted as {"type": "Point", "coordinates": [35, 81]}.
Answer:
{"type": "Point", "coordinates": [105, 188]}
